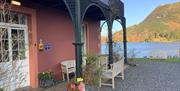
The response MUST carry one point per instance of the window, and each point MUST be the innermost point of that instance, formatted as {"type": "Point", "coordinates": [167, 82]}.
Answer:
{"type": "Point", "coordinates": [18, 44]}
{"type": "Point", "coordinates": [13, 18]}
{"type": "Point", "coordinates": [13, 38]}
{"type": "Point", "coordinates": [4, 45]}
{"type": "Point", "coordinates": [16, 18]}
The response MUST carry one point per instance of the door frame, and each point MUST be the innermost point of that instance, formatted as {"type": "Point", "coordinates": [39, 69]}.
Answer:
{"type": "Point", "coordinates": [84, 38]}
{"type": "Point", "coordinates": [25, 61]}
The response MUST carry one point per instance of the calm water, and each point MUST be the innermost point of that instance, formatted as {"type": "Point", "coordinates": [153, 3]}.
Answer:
{"type": "Point", "coordinates": [143, 49]}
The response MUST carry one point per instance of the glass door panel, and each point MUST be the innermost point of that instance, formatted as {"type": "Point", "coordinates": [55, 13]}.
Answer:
{"type": "Point", "coordinates": [18, 44]}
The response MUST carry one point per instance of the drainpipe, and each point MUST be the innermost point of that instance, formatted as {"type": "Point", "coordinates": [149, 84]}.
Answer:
{"type": "Point", "coordinates": [78, 44]}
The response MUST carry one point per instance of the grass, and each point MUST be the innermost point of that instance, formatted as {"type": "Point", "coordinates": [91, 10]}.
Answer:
{"type": "Point", "coordinates": [157, 60]}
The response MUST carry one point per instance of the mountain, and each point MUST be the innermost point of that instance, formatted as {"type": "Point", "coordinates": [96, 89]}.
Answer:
{"type": "Point", "coordinates": [104, 39]}
{"type": "Point", "coordinates": [162, 25]}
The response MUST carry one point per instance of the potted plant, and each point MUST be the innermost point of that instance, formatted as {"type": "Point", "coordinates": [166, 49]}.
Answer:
{"type": "Point", "coordinates": [46, 79]}
{"type": "Point", "coordinates": [92, 71]}
{"type": "Point", "coordinates": [77, 86]}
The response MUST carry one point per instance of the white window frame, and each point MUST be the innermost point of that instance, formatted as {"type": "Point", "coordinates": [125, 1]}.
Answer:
{"type": "Point", "coordinates": [19, 28]}
{"type": "Point", "coordinates": [25, 67]}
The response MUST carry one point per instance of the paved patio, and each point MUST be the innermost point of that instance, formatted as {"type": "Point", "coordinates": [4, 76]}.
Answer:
{"type": "Point", "coordinates": [146, 76]}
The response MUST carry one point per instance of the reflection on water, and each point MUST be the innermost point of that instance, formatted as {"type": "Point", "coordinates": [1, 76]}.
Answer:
{"type": "Point", "coordinates": [144, 49]}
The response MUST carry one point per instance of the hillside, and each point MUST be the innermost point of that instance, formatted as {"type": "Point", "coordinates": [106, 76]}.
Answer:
{"type": "Point", "coordinates": [162, 25]}
{"type": "Point", "coordinates": [104, 39]}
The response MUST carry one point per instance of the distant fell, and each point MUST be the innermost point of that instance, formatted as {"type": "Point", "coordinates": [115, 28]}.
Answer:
{"type": "Point", "coordinates": [162, 25]}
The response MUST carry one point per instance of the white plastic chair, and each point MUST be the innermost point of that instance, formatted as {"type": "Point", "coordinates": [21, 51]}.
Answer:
{"type": "Point", "coordinates": [68, 66]}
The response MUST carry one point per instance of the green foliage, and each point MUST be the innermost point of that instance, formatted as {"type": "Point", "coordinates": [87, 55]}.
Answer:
{"type": "Point", "coordinates": [1, 89]}
{"type": "Point", "coordinates": [117, 53]}
{"type": "Point", "coordinates": [45, 75]}
{"type": "Point", "coordinates": [92, 71]}
{"type": "Point", "coordinates": [158, 60]}
{"type": "Point", "coordinates": [91, 59]}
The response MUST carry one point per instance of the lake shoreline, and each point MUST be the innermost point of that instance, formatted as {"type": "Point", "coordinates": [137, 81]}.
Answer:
{"type": "Point", "coordinates": [147, 42]}
{"type": "Point", "coordinates": [147, 49]}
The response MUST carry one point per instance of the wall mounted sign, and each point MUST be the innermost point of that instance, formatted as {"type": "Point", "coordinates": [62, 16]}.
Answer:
{"type": "Point", "coordinates": [47, 47]}
{"type": "Point", "coordinates": [41, 45]}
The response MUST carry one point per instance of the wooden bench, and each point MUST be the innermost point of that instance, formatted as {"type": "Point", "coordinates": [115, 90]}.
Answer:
{"type": "Point", "coordinates": [117, 70]}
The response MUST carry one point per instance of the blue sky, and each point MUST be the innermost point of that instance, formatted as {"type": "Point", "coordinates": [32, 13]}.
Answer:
{"type": "Point", "coordinates": [137, 10]}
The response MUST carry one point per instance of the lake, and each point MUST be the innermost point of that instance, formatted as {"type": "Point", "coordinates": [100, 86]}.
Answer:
{"type": "Point", "coordinates": [146, 49]}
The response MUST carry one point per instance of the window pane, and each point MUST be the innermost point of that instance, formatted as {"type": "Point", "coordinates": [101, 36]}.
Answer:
{"type": "Point", "coordinates": [5, 45]}
{"type": "Point", "coordinates": [22, 19]}
{"type": "Point", "coordinates": [0, 56]}
{"type": "Point", "coordinates": [5, 56]}
{"type": "Point", "coordinates": [14, 34]}
{"type": "Point", "coordinates": [21, 34]}
{"type": "Point", "coordinates": [4, 17]}
{"type": "Point", "coordinates": [14, 18]}
{"type": "Point", "coordinates": [7, 18]}
{"type": "Point", "coordinates": [22, 54]}
{"type": "Point", "coordinates": [14, 44]}
{"type": "Point", "coordinates": [0, 45]}
{"type": "Point", "coordinates": [4, 33]}
{"type": "Point", "coordinates": [15, 55]}
{"type": "Point", "coordinates": [0, 16]}
{"type": "Point", "coordinates": [1, 32]}
{"type": "Point", "coordinates": [21, 44]}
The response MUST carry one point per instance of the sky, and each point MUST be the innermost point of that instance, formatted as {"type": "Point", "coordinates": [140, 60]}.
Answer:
{"type": "Point", "coordinates": [137, 10]}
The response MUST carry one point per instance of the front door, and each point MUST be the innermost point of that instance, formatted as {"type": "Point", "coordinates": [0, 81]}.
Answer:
{"type": "Point", "coordinates": [19, 51]}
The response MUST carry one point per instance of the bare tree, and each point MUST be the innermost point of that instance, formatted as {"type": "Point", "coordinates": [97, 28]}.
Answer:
{"type": "Point", "coordinates": [118, 52]}
{"type": "Point", "coordinates": [11, 74]}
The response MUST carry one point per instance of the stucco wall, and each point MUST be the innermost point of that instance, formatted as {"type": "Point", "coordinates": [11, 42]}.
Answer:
{"type": "Point", "coordinates": [55, 27]}
{"type": "Point", "coordinates": [93, 36]}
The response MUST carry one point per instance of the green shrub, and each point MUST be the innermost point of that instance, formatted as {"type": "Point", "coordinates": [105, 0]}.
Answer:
{"type": "Point", "coordinates": [1, 89]}
{"type": "Point", "coordinates": [45, 75]}
{"type": "Point", "coordinates": [92, 71]}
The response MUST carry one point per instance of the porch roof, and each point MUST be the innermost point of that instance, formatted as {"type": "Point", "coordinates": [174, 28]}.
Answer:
{"type": "Point", "coordinates": [92, 13]}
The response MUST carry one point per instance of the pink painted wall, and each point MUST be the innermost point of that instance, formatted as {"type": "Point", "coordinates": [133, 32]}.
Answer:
{"type": "Point", "coordinates": [93, 37]}
{"type": "Point", "coordinates": [55, 27]}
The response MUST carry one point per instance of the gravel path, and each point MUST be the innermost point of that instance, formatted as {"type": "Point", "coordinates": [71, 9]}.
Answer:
{"type": "Point", "coordinates": [149, 76]}
{"type": "Point", "coordinates": [146, 76]}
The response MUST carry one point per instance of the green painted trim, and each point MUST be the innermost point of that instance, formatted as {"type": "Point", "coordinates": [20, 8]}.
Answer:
{"type": "Point", "coordinates": [90, 5]}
